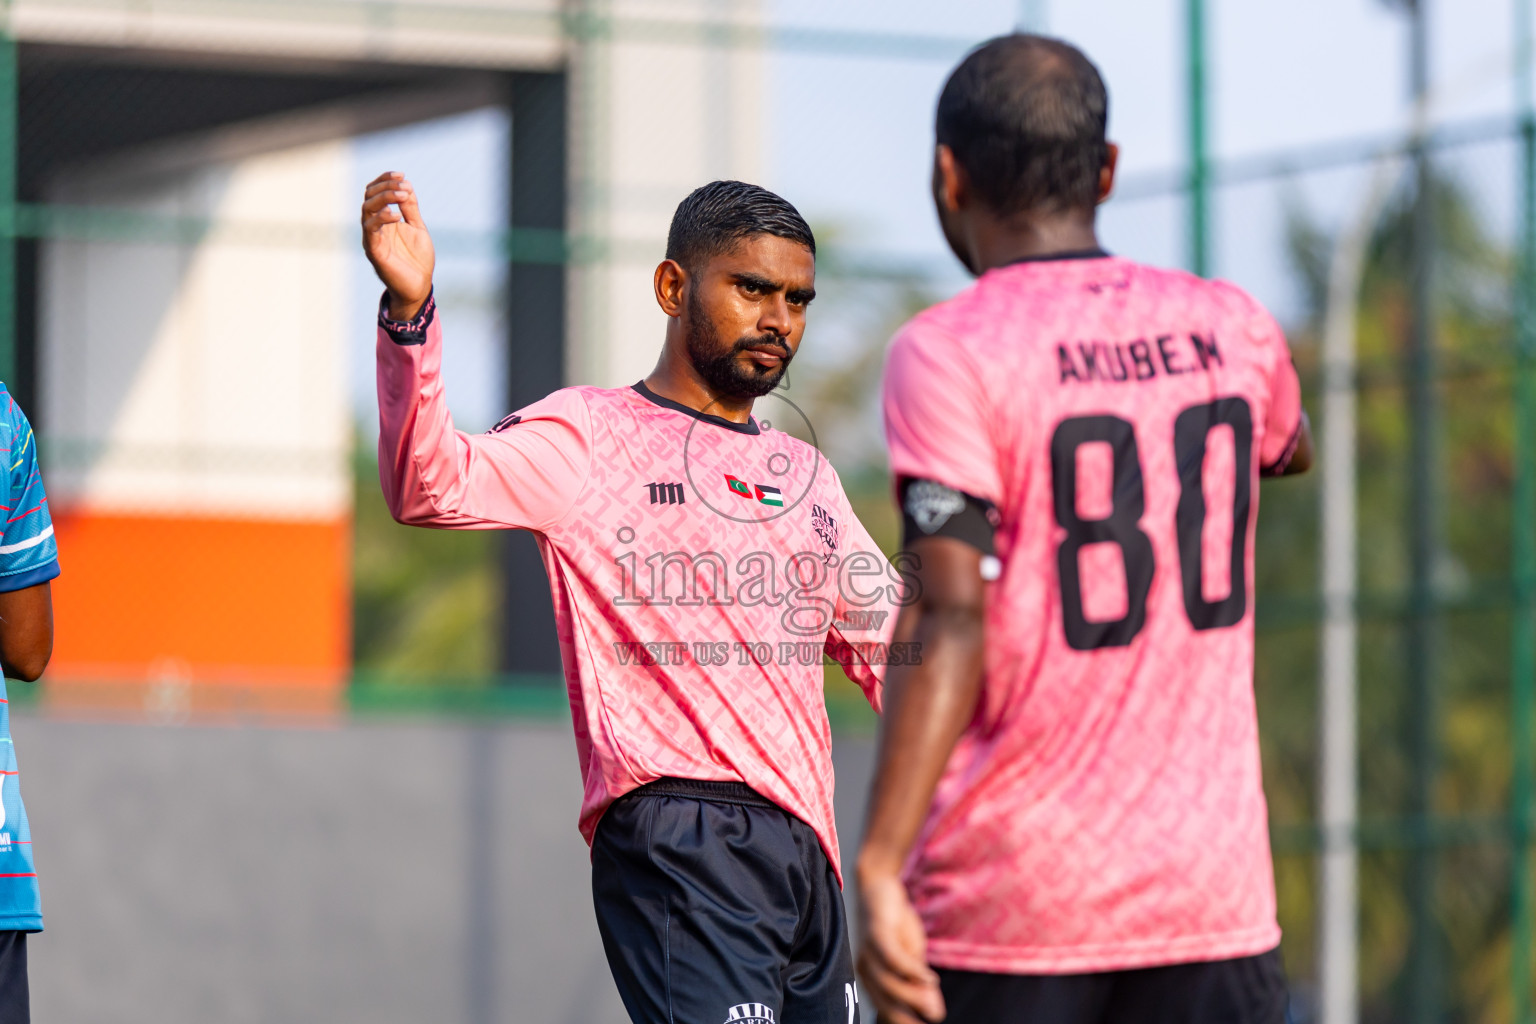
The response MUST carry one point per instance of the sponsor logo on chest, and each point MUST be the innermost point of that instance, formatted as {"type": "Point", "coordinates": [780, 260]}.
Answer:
{"type": "Point", "coordinates": [666, 494]}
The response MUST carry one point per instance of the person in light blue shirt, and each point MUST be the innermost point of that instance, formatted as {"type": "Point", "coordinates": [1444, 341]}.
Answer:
{"type": "Point", "coordinates": [29, 559]}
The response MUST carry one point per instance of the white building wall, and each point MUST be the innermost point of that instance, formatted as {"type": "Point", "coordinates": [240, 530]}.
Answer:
{"type": "Point", "coordinates": [525, 34]}
{"type": "Point", "coordinates": [654, 116]}
{"type": "Point", "coordinates": [203, 376]}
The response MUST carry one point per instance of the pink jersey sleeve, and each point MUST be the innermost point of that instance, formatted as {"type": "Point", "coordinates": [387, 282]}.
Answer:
{"type": "Point", "coordinates": [867, 605]}
{"type": "Point", "coordinates": [1282, 427]}
{"type": "Point", "coordinates": [936, 421]}
{"type": "Point", "coordinates": [526, 473]}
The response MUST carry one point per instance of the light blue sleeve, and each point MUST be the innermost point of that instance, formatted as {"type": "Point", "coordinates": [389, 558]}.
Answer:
{"type": "Point", "coordinates": [29, 555]}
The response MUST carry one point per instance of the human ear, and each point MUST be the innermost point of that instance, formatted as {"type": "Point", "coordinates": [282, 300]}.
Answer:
{"type": "Point", "coordinates": [1107, 172]}
{"type": "Point", "coordinates": [951, 186]}
{"type": "Point", "coordinates": [671, 281]}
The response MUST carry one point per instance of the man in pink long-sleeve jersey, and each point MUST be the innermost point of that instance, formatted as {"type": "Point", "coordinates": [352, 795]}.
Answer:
{"type": "Point", "coordinates": [701, 565]}
{"type": "Point", "coordinates": [1068, 822]}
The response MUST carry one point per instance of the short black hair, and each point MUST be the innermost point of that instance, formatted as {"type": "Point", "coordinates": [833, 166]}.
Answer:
{"type": "Point", "coordinates": [714, 217]}
{"type": "Point", "coordinates": [1025, 116]}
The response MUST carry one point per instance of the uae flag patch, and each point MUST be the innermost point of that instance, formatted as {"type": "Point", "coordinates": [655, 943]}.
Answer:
{"type": "Point", "coordinates": [770, 495]}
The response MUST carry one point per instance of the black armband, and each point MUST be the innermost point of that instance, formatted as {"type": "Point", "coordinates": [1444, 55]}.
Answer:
{"type": "Point", "coordinates": [932, 509]}
{"type": "Point", "coordinates": [412, 331]}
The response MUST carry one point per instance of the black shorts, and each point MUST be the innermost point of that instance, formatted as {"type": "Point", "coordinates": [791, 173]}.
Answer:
{"type": "Point", "coordinates": [1248, 990]}
{"type": "Point", "coordinates": [717, 906]}
{"type": "Point", "coordinates": [15, 1000]}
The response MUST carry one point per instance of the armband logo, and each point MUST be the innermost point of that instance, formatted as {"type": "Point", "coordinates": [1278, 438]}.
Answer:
{"type": "Point", "coordinates": [932, 504]}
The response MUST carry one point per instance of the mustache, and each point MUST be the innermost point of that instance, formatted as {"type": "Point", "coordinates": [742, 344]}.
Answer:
{"type": "Point", "coordinates": [768, 341]}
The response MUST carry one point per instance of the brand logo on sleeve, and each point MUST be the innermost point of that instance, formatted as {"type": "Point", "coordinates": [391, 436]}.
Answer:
{"type": "Point", "coordinates": [750, 1013]}
{"type": "Point", "coordinates": [825, 526]}
{"type": "Point", "coordinates": [511, 420]}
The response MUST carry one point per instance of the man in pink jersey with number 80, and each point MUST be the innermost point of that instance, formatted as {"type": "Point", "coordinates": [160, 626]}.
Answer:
{"type": "Point", "coordinates": [1068, 822]}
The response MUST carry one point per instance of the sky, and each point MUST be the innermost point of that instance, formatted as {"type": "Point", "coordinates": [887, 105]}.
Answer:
{"type": "Point", "coordinates": [1280, 75]}
{"type": "Point", "coordinates": [849, 138]}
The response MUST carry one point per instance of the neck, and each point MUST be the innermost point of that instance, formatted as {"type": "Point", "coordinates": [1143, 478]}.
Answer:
{"type": "Point", "coordinates": [674, 377]}
{"type": "Point", "coordinates": [997, 242]}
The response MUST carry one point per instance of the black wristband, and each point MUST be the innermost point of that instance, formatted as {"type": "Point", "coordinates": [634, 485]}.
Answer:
{"type": "Point", "coordinates": [932, 509]}
{"type": "Point", "coordinates": [412, 331]}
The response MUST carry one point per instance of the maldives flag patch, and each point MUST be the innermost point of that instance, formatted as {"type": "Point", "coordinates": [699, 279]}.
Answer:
{"type": "Point", "coordinates": [762, 492]}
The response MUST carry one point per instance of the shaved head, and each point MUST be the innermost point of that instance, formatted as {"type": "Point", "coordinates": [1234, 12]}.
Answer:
{"type": "Point", "coordinates": [1026, 117]}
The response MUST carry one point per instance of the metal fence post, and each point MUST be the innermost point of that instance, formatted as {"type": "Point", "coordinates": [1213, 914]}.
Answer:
{"type": "Point", "coordinates": [1423, 989]}
{"type": "Point", "coordinates": [1199, 158]}
{"type": "Point", "coordinates": [1523, 543]}
{"type": "Point", "coordinates": [1338, 909]}
{"type": "Point", "coordinates": [9, 113]}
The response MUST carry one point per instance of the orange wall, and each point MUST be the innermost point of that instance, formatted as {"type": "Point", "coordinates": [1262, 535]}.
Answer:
{"type": "Point", "coordinates": [248, 601]}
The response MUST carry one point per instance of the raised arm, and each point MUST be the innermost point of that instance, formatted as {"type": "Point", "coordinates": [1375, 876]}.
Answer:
{"type": "Point", "coordinates": [526, 473]}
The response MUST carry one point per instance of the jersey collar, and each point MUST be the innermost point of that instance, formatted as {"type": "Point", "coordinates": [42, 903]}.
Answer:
{"type": "Point", "coordinates": [749, 427]}
{"type": "Point", "coordinates": [1072, 254]}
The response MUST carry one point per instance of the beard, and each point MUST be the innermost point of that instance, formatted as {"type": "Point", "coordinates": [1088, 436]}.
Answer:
{"type": "Point", "coordinates": [719, 364]}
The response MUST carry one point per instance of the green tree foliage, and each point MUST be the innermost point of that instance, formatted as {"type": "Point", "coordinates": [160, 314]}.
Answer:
{"type": "Point", "coordinates": [1473, 475]}
{"type": "Point", "coordinates": [423, 601]}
